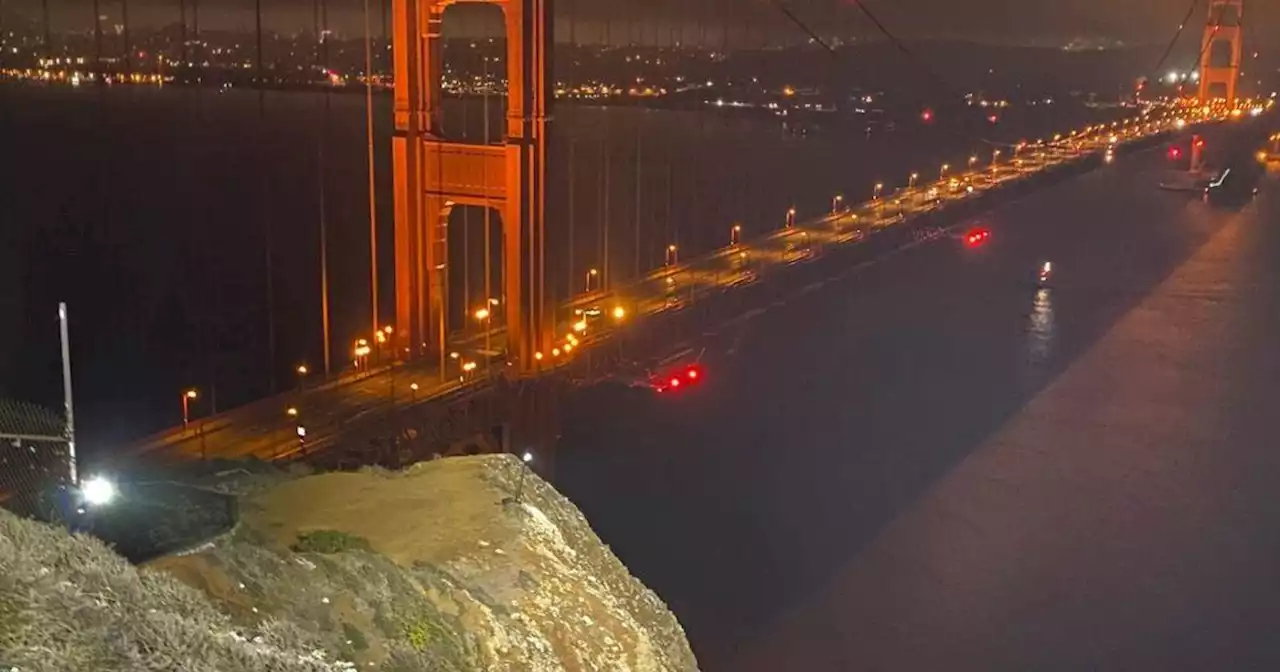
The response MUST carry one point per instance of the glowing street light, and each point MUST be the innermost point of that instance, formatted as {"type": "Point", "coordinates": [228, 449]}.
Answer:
{"type": "Point", "coordinates": [942, 173]}
{"type": "Point", "coordinates": [972, 161]}
{"type": "Point", "coordinates": [302, 370]}
{"type": "Point", "coordinates": [591, 274]}
{"type": "Point", "coordinates": [525, 459]}
{"type": "Point", "coordinates": [482, 314]}
{"type": "Point", "coordinates": [735, 235]}
{"type": "Point", "coordinates": [911, 179]}
{"type": "Point", "coordinates": [292, 411]}
{"type": "Point", "coordinates": [836, 202]}
{"type": "Point", "coordinates": [413, 392]}
{"type": "Point", "coordinates": [791, 217]}
{"type": "Point", "coordinates": [361, 351]}
{"type": "Point", "coordinates": [673, 255]}
{"type": "Point", "coordinates": [187, 397]}
{"type": "Point", "coordinates": [875, 193]}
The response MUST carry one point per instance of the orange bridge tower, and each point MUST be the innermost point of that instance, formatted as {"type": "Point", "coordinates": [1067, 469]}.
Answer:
{"type": "Point", "coordinates": [434, 174]}
{"type": "Point", "coordinates": [1222, 51]}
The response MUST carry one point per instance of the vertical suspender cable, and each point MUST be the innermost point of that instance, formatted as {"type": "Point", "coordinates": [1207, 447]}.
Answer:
{"type": "Point", "coordinates": [182, 34]}
{"type": "Point", "coordinates": [268, 240]}
{"type": "Point", "coordinates": [322, 57]}
{"type": "Point", "coordinates": [48, 33]}
{"type": "Point", "coordinates": [639, 173]}
{"type": "Point", "coordinates": [128, 47]}
{"type": "Point", "coordinates": [573, 205]}
{"type": "Point", "coordinates": [373, 186]}
{"type": "Point", "coordinates": [97, 41]}
{"type": "Point", "coordinates": [195, 31]}
{"type": "Point", "coordinates": [466, 242]}
{"type": "Point", "coordinates": [488, 242]}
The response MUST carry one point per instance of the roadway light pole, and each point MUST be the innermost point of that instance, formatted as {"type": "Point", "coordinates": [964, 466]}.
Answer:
{"type": "Point", "coordinates": [942, 173]}
{"type": "Point", "coordinates": [590, 274]}
{"type": "Point", "coordinates": [482, 316]}
{"type": "Point", "coordinates": [187, 397]}
{"type": "Point", "coordinates": [68, 406]}
{"type": "Point", "coordinates": [525, 459]}
{"type": "Point", "coordinates": [875, 192]}
{"type": "Point", "coordinates": [911, 180]}
{"type": "Point", "coordinates": [48, 35]}
{"type": "Point", "coordinates": [836, 203]}
{"type": "Point", "coordinates": [673, 255]}
{"type": "Point", "coordinates": [791, 217]}
{"type": "Point", "coordinates": [735, 235]}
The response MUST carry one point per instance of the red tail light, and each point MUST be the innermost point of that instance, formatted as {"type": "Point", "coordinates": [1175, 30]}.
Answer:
{"type": "Point", "coordinates": [976, 237]}
{"type": "Point", "coordinates": [1175, 153]}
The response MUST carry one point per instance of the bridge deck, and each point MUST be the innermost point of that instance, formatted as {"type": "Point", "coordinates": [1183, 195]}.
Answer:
{"type": "Point", "coordinates": [264, 430]}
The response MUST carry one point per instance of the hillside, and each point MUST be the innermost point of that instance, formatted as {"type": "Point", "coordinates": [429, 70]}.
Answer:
{"type": "Point", "coordinates": [433, 568]}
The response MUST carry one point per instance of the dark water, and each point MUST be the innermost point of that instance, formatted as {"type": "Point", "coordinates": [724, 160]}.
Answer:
{"type": "Point", "coordinates": [151, 211]}
{"type": "Point", "coordinates": [841, 492]}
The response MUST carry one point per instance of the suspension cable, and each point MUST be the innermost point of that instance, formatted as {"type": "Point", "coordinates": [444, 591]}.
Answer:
{"type": "Point", "coordinates": [1176, 35]}
{"type": "Point", "coordinates": [962, 131]}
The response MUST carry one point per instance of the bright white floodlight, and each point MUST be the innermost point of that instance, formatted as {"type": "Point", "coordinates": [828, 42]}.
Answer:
{"type": "Point", "coordinates": [98, 491]}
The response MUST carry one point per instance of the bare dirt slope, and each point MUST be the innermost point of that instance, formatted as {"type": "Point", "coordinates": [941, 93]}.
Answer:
{"type": "Point", "coordinates": [437, 568]}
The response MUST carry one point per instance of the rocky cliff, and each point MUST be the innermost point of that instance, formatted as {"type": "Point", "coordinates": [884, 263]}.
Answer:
{"type": "Point", "coordinates": [459, 564]}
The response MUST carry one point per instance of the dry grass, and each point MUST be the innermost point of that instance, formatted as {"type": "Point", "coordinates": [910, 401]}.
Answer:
{"type": "Point", "coordinates": [68, 604]}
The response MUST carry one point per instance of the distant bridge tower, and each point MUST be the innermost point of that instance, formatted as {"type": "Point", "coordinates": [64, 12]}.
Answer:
{"type": "Point", "coordinates": [1222, 51]}
{"type": "Point", "coordinates": [434, 174]}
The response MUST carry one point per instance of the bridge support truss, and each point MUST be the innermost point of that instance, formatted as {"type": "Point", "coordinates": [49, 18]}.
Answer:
{"type": "Point", "coordinates": [434, 174]}
{"type": "Point", "coordinates": [1220, 68]}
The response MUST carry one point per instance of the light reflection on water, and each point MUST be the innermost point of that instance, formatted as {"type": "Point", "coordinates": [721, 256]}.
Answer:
{"type": "Point", "coordinates": [1040, 328]}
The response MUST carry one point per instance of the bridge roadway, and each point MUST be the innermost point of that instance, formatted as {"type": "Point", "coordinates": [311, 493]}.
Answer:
{"type": "Point", "coordinates": [264, 430]}
{"type": "Point", "coordinates": [933, 464]}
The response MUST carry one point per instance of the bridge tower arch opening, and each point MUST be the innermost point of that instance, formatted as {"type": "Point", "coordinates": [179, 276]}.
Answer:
{"type": "Point", "coordinates": [435, 174]}
{"type": "Point", "coordinates": [1222, 50]}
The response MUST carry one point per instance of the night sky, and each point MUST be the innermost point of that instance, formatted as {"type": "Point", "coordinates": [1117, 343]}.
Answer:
{"type": "Point", "coordinates": [998, 20]}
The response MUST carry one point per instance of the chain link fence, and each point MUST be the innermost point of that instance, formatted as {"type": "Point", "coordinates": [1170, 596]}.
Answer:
{"type": "Point", "coordinates": [33, 456]}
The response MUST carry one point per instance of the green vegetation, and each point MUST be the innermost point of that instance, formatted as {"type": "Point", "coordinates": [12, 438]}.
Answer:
{"type": "Point", "coordinates": [329, 542]}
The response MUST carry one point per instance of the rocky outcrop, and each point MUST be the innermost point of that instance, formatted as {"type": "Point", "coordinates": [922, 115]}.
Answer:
{"type": "Point", "coordinates": [470, 563]}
